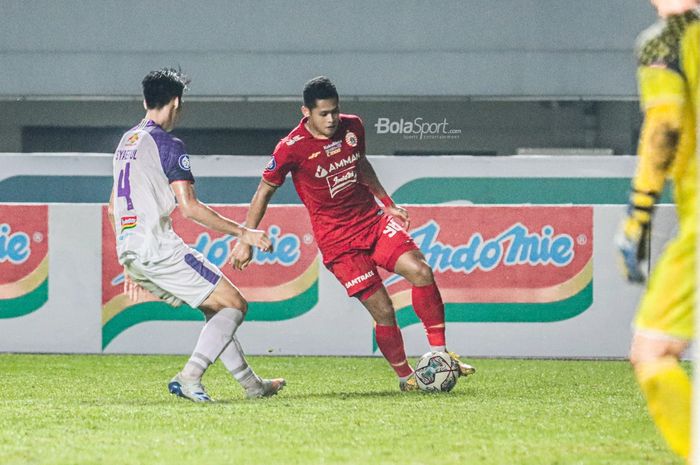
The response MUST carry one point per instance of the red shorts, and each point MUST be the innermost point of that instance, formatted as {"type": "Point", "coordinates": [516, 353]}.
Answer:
{"type": "Point", "coordinates": [356, 268]}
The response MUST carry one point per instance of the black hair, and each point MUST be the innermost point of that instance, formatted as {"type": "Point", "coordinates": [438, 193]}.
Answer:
{"type": "Point", "coordinates": [160, 86]}
{"type": "Point", "coordinates": [319, 88]}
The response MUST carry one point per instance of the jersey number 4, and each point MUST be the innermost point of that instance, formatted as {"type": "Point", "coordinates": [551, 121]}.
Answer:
{"type": "Point", "coordinates": [123, 186]}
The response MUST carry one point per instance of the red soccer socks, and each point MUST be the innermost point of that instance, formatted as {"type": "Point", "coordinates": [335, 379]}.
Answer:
{"type": "Point", "coordinates": [428, 305]}
{"type": "Point", "coordinates": [390, 344]}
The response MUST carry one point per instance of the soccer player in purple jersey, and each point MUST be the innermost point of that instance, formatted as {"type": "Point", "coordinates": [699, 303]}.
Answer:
{"type": "Point", "coordinates": [151, 172]}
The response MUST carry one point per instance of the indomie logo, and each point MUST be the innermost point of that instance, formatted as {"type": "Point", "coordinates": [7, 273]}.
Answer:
{"type": "Point", "coordinates": [14, 247]}
{"type": "Point", "coordinates": [286, 249]}
{"type": "Point", "coordinates": [128, 222]}
{"type": "Point", "coordinates": [514, 246]}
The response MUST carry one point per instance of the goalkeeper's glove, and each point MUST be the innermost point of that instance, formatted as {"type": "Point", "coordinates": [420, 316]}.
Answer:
{"type": "Point", "coordinates": [632, 239]}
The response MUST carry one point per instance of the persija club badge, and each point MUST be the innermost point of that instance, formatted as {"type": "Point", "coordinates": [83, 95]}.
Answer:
{"type": "Point", "coordinates": [351, 139]}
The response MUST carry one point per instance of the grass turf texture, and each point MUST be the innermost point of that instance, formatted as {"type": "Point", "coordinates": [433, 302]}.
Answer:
{"type": "Point", "coordinates": [71, 409]}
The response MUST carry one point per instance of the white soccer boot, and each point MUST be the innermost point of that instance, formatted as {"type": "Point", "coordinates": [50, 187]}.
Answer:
{"type": "Point", "coordinates": [188, 389]}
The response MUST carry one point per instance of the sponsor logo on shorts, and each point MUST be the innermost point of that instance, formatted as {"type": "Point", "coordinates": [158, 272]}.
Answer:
{"type": "Point", "coordinates": [128, 222]}
{"type": "Point", "coordinates": [391, 228]}
{"type": "Point", "coordinates": [333, 148]}
{"type": "Point", "coordinates": [184, 162]}
{"type": "Point", "coordinates": [351, 139]}
{"type": "Point", "coordinates": [341, 180]}
{"type": "Point", "coordinates": [359, 279]}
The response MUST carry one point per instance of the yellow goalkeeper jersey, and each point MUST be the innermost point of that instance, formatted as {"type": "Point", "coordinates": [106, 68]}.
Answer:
{"type": "Point", "coordinates": [668, 85]}
{"type": "Point", "coordinates": [668, 55]}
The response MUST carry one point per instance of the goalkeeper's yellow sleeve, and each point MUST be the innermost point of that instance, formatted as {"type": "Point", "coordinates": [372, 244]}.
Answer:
{"type": "Point", "coordinates": [662, 92]}
{"type": "Point", "coordinates": [658, 144]}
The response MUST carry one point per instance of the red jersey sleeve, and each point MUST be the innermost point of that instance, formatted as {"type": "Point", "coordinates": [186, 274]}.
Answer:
{"type": "Point", "coordinates": [281, 163]}
{"type": "Point", "coordinates": [361, 136]}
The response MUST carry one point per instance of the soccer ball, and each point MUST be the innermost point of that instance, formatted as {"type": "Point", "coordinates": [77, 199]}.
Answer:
{"type": "Point", "coordinates": [436, 371]}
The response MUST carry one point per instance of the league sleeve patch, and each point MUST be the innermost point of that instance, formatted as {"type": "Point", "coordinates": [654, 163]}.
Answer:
{"type": "Point", "coordinates": [271, 165]}
{"type": "Point", "coordinates": [184, 162]}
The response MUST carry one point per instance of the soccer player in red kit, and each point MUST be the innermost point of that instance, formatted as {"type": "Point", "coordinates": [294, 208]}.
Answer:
{"type": "Point", "coordinates": [326, 155]}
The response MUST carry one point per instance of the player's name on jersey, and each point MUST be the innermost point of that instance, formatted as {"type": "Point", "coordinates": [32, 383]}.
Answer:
{"type": "Point", "coordinates": [123, 154]}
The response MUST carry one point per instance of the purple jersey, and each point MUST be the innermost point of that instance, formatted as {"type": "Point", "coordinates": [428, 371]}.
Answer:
{"type": "Point", "coordinates": [146, 161]}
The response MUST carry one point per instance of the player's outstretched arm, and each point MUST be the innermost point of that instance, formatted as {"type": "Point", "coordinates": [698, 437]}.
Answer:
{"type": "Point", "coordinates": [259, 202]}
{"type": "Point", "coordinates": [658, 145]}
{"type": "Point", "coordinates": [369, 178]}
{"type": "Point", "coordinates": [241, 255]}
{"type": "Point", "coordinates": [192, 209]}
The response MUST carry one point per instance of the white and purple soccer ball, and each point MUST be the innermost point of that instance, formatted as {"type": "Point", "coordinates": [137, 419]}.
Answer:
{"type": "Point", "coordinates": [436, 372]}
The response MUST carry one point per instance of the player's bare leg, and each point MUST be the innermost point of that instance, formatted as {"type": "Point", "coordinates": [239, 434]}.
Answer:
{"type": "Point", "coordinates": [665, 385]}
{"type": "Point", "coordinates": [388, 334]}
{"type": "Point", "coordinates": [427, 303]}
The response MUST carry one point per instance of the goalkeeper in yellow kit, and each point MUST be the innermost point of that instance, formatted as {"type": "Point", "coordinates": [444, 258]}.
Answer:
{"type": "Point", "coordinates": [668, 54]}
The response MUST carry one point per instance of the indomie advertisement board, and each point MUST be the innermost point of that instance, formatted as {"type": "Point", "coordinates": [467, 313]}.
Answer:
{"type": "Point", "coordinates": [278, 285]}
{"type": "Point", "coordinates": [24, 259]}
{"type": "Point", "coordinates": [492, 264]}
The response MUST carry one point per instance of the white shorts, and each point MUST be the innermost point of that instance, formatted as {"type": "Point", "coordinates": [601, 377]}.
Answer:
{"type": "Point", "coordinates": [184, 276]}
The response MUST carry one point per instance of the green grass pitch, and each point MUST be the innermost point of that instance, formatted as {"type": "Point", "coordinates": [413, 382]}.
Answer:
{"type": "Point", "coordinates": [71, 409]}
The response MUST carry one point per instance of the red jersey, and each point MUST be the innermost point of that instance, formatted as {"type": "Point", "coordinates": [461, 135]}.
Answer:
{"type": "Point", "coordinates": [325, 175]}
